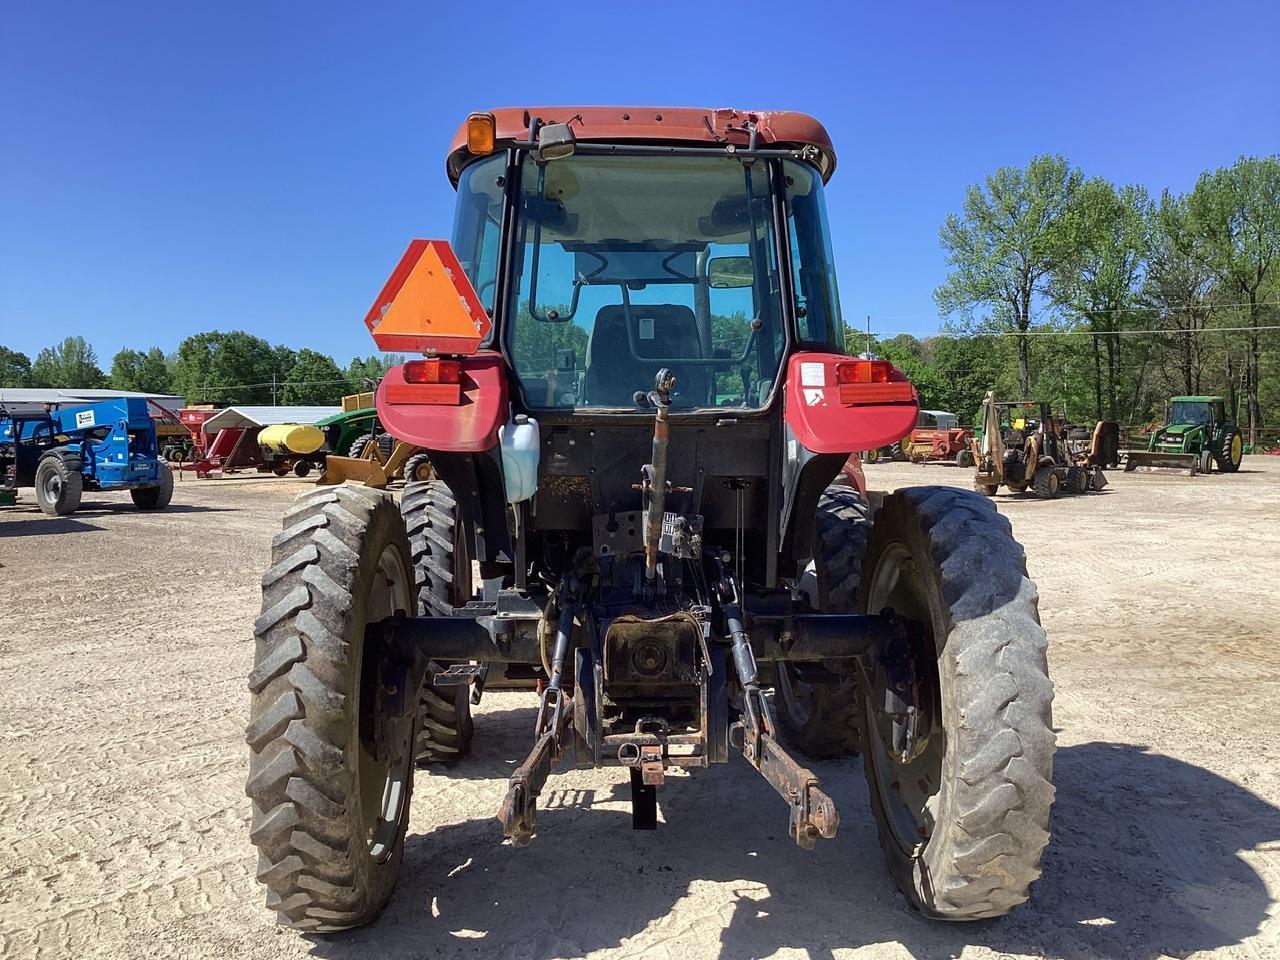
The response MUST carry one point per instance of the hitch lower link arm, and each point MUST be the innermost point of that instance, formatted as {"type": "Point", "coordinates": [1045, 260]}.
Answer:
{"type": "Point", "coordinates": [813, 812]}
{"type": "Point", "coordinates": [519, 812]}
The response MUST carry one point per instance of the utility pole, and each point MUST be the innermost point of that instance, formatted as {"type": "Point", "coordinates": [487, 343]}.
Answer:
{"type": "Point", "coordinates": [868, 335]}
{"type": "Point", "coordinates": [273, 389]}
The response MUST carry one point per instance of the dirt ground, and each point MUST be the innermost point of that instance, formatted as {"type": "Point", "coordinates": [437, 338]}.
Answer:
{"type": "Point", "coordinates": [124, 826]}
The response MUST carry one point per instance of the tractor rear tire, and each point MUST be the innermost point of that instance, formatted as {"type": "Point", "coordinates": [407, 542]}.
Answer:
{"type": "Point", "coordinates": [418, 467]}
{"type": "Point", "coordinates": [331, 765]}
{"type": "Point", "coordinates": [963, 825]}
{"type": "Point", "coordinates": [442, 571]}
{"type": "Point", "coordinates": [157, 497]}
{"type": "Point", "coordinates": [822, 718]}
{"type": "Point", "coordinates": [1048, 484]}
{"type": "Point", "coordinates": [59, 486]}
{"type": "Point", "coordinates": [356, 450]}
{"type": "Point", "coordinates": [1230, 452]}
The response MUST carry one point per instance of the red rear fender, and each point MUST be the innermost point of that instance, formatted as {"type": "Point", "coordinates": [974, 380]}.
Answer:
{"type": "Point", "coordinates": [828, 417]}
{"type": "Point", "coordinates": [407, 412]}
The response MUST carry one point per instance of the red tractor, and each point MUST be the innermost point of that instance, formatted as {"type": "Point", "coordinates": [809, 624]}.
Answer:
{"type": "Point", "coordinates": [636, 398]}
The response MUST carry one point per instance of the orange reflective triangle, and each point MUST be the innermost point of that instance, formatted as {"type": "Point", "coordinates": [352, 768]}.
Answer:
{"type": "Point", "coordinates": [428, 304]}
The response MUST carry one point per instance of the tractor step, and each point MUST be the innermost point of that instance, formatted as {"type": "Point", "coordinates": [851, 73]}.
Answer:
{"type": "Point", "coordinates": [458, 675]}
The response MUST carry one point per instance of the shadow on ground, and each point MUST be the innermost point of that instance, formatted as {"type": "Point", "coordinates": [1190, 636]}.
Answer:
{"type": "Point", "coordinates": [104, 506]}
{"type": "Point", "coordinates": [1144, 861]}
{"type": "Point", "coordinates": [43, 526]}
{"type": "Point", "coordinates": [38, 524]}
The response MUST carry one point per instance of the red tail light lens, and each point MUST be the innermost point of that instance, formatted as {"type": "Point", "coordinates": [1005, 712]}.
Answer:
{"type": "Point", "coordinates": [431, 381]}
{"type": "Point", "coordinates": [432, 371]}
{"type": "Point", "coordinates": [864, 371]}
{"type": "Point", "coordinates": [864, 382]}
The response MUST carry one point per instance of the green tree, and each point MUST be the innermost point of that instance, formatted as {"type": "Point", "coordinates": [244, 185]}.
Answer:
{"type": "Point", "coordinates": [231, 367]}
{"type": "Point", "coordinates": [372, 368]}
{"type": "Point", "coordinates": [313, 379]}
{"type": "Point", "coordinates": [961, 371]}
{"type": "Point", "coordinates": [1099, 276]}
{"type": "Point", "coordinates": [1177, 290]}
{"type": "Point", "coordinates": [70, 364]}
{"type": "Point", "coordinates": [1235, 212]}
{"type": "Point", "coordinates": [142, 372]}
{"type": "Point", "coordinates": [910, 356]}
{"type": "Point", "coordinates": [1004, 248]}
{"type": "Point", "coordinates": [15, 368]}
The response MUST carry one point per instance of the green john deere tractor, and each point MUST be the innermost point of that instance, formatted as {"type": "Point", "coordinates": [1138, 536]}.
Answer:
{"type": "Point", "coordinates": [1197, 435]}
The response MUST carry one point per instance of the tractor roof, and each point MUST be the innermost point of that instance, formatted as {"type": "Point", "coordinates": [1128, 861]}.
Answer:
{"type": "Point", "coordinates": [1195, 399]}
{"type": "Point", "coordinates": [663, 125]}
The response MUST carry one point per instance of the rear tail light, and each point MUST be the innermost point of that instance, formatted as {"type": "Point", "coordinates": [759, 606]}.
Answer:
{"type": "Point", "coordinates": [432, 371]}
{"type": "Point", "coordinates": [864, 371]}
{"type": "Point", "coordinates": [428, 381]}
{"type": "Point", "coordinates": [871, 381]}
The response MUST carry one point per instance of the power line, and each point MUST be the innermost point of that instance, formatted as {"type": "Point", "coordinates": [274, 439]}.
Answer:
{"type": "Point", "coordinates": [1077, 332]}
{"type": "Point", "coordinates": [1160, 308]}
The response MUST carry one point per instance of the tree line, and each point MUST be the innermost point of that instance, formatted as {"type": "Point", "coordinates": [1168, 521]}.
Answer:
{"type": "Point", "coordinates": [1059, 287]}
{"type": "Point", "coordinates": [1082, 292]}
{"type": "Point", "coordinates": [217, 367]}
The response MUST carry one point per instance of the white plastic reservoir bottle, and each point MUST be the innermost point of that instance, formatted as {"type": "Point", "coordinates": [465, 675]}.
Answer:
{"type": "Point", "coordinates": [520, 451]}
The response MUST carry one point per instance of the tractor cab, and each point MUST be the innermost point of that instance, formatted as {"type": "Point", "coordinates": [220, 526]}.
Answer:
{"type": "Point", "coordinates": [23, 439]}
{"type": "Point", "coordinates": [1196, 411]}
{"type": "Point", "coordinates": [626, 264]}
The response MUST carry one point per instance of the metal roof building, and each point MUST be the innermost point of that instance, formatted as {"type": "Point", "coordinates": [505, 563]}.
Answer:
{"type": "Point", "coordinates": [266, 416]}
{"type": "Point", "coordinates": [32, 399]}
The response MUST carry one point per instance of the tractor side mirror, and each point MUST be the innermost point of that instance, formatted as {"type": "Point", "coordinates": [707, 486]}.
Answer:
{"type": "Point", "coordinates": [730, 272]}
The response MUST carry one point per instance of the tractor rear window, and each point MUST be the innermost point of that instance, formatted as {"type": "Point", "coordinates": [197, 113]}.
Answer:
{"type": "Point", "coordinates": [477, 225]}
{"type": "Point", "coordinates": [1189, 411]}
{"type": "Point", "coordinates": [626, 265]}
{"type": "Point", "coordinates": [812, 264]}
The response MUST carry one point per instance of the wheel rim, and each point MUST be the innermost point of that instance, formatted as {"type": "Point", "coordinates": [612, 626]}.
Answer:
{"type": "Point", "coordinates": [1237, 449]}
{"type": "Point", "coordinates": [384, 779]}
{"type": "Point", "coordinates": [463, 588]}
{"type": "Point", "coordinates": [908, 792]}
{"type": "Point", "coordinates": [52, 488]}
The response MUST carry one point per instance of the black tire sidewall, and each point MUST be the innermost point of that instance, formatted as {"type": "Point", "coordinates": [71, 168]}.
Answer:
{"type": "Point", "coordinates": [155, 497]}
{"type": "Point", "coordinates": [379, 877]}
{"type": "Point", "coordinates": [68, 499]}
{"type": "Point", "coordinates": [332, 652]}
{"type": "Point", "coordinates": [1223, 461]}
{"type": "Point", "coordinates": [971, 568]}
{"type": "Point", "coordinates": [894, 527]}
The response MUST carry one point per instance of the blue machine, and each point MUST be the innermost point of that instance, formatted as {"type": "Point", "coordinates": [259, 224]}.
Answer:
{"type": "Point", "coordinates": [109, 445]}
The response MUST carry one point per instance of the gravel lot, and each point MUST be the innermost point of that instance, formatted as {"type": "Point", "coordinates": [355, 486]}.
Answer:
{"type": "Point", "coordinates": [124, 825]}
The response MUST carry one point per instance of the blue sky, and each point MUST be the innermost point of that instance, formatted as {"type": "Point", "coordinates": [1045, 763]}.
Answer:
{"type": "Point", "coordinates": [170, 167]}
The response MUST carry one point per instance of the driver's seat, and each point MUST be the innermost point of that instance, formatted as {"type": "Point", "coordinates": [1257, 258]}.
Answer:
{"type": "Point", "coordinates": [615, 373]}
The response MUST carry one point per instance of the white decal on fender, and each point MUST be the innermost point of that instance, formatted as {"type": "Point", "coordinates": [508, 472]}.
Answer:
{"type": "Point", "coordinates": [813, 374]}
